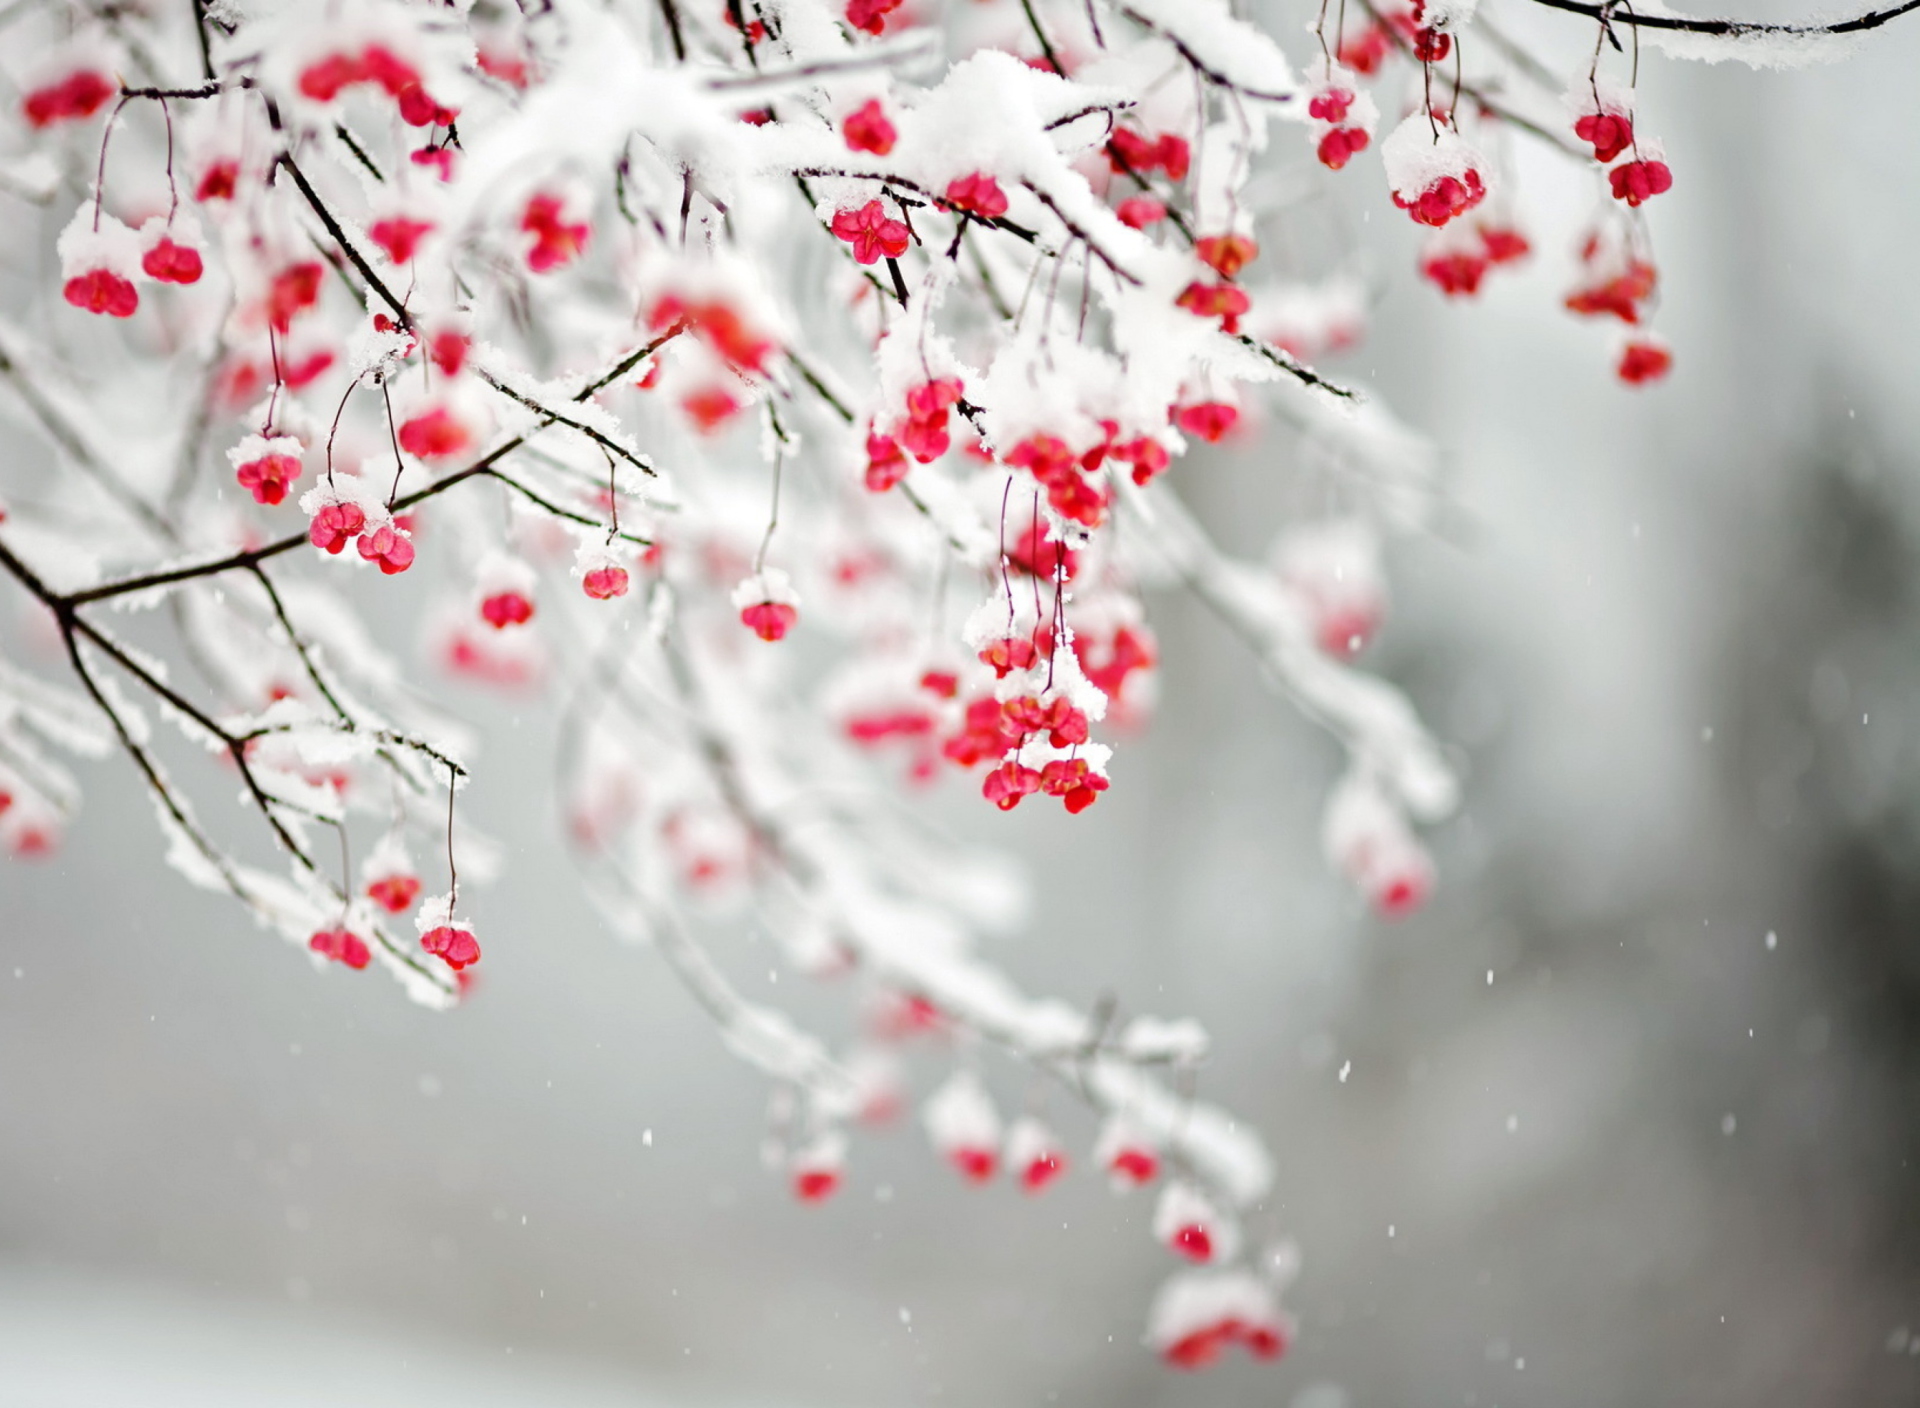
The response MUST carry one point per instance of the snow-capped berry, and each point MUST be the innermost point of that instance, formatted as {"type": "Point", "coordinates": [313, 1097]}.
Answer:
{"type": "Point", "coordinates": [1127, 1154]}
{"type": "Point", "coordinates": [1034, 1155]}
{"type": "Point", "coordinates": [1431, 46]}
{"type": "Point", "coordinates": [1188, 1223]}
{"type": "Point", "coordinates": [394, 893]}
{"type": "Point", "coordinates": [964, 1127]}
{"type": "Point", "coordinates": [342, 946]}
{"type": "Point", "coordinates": [74, 98]}
{"type": "Point", "coordinates": [335, 525]}
{"type": "Point", "coordinates": [605, 583]}
{"type": "Point", "coordinates": [102, 291]}
{"type": "Point", "coordinates": [558, 239]}
{"type": "Point", "coordinates": [978, 194]}
{"type": "Point", "coordinates": [1643, 360]}
{"type": "Point", "coordinates": [399, 236]}
{"type": "Point", "coordinates": [818, 1168]}
{"type": "Point", "coordinates": [1138, 212]}
{"type": "Point", "coordinates": [1445, 198]}
{"type": "Point", "coordinates": [1197, 1314]}
{"type": "Point", "coordinates": [389, 546]}
{"type": "Point", "coordinates": [870, 15]}
{"type": "Point", "coordinates": [770, 620]}
{"type": "Point", "coordinates": [504, 609]}
{"type": "Point", "coordinates": [1367, 838]}
{"type": "Point", "coordinates": [872, 233]}
{"type": "Point", "coordinates": [1210, 420]}
{"type": "Point", "coordinates": [456, 947]}
{"type": "Point", "coordinates": [1333, 570]}
{"type": "Point", "coordinates": [264, 468]}
{"type": "Point", "coordinates": [171, 262]}
{"type": "Point", "coordinates": [1610, 133]}
{"type": "Point", "coordinates": [867, 129]}
{"type": "Point", "coordinates": [1638, 181]}
{"type": "Point", "coordinates": [1226, 255]}
{"type": "Point", "coordinates": [1435, 176]}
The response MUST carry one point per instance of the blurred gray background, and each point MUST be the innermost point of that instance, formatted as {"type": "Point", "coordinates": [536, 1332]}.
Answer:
{"type": "Point", "coordinates": [1600, 1141]}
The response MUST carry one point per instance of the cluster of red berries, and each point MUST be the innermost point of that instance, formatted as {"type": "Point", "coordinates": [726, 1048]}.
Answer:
{"type": "Point", "coordinates": [324, 80]}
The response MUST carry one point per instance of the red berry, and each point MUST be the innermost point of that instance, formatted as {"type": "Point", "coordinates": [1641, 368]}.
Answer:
{"type": "Point", "coordinates": [394, 893]}
{"type": "Point", "coordinates": [868, 130]}
{"type": "Point", "coordinates": [399, 236]}
{"type": "Point", "coordinates": [870, 15]}
{"type": "Point", "coordinates": [172, 263]}
{"type": "Point", "coordinates": [1340, 146]}
{"type": "Point", "coordinates": [605, 583]}
{"type": "Point", "coordinates": [389, 547]}
{"type": "Point", "coordinates": [267, 477]}
{"type": "Point", "coordinates": [74, 98]}
{"type": "Point", "coordinates": [1138, 212]}
{"type": "Point", "coordinates": [1610, 133]}
{"type": "Point", "coordinates": [1210, 420]}
{"type": "Point", "coordinates": [504, 609]}
{"type": "Point", "coordinates": [556, 240]}
{"type": "Point", "coordinates": [1227, 255]}
{"type": "Point", "coordinates": [978, 194]}
{"type": "Point", "coordinates": [1643, 361]}
{"type": "Point", "coordinates": [770, 620]}
{"type": "Point", "coordinates": [1194, 1241]}
{"type": "Point", "coordinates": [1638, 181]}
{"type": "Point", "coordinates": [335, 525]}
{"type": "Point", "coordinates": [872, 233]}
{"type": "Point", "coordinates": [434, 434]}
{"type": "Point", "coordinates": [976, 1164]}
{"type": "Point", "coordinates": [103, 291]}
{"type": "Point", "coordinates": [342, 947]}
{"type": "Point", "coordinates": [457, 947]}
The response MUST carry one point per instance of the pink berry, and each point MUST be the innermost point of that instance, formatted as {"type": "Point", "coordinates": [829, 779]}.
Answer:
{"type": "Point", "coordinates": [335, 525]}
{"type": "Point", "coordinates": [605, 583]}
{"type": "Point", "coordinates": [389, 547]}
{"type": "Point", "coordinates": [172, 263]}
{"type": "Point", "coordinates": [979, 194]}
{"type": "Point", "coordinates": [457, 947]}
{"type": "Point", "coordinates": [394, 893]}
{"type": "Point", "coordinates": [770, 620]}
{"type": "Point", "coordinates": [504, 609]}
{"type": "Point", "coordinates": [872, 233]}
{"type": "Point", "coordinates": [868, 130]}
{"type": "Point", "coordinates": [435, 434]}
{"type": "Point", "coordinates": [102, 291]}
{"type": "Point", "coordinates": [1638, 181]}
{"type": "Point", "coordinates": [267, 478]}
